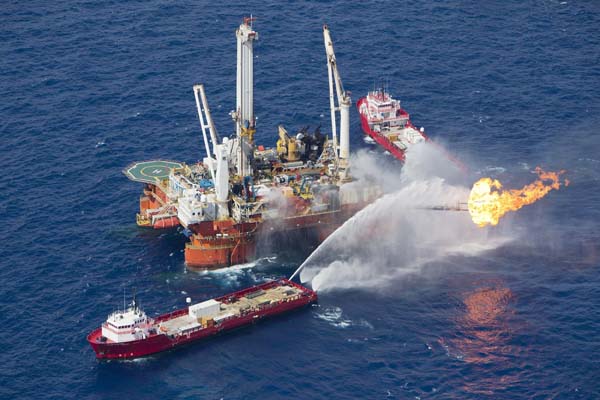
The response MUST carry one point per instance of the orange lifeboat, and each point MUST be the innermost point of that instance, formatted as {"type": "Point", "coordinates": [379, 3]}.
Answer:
{"type": "Point", "coordinates": [164, 223]}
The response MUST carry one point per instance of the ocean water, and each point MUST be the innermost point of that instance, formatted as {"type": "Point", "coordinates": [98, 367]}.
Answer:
{"type": "Point", "coordinates": [88, 87]}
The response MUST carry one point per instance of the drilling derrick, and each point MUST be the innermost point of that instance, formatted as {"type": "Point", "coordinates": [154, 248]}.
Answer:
{"type": "Point", "coordinates": [243, 116]}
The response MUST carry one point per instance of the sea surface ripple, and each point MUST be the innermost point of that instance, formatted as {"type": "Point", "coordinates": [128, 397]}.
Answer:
{"type": "Point", "coordinates": [90, 86]}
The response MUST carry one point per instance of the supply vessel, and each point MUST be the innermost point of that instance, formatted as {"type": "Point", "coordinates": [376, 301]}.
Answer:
{"type": "Point", "coordinates": [242, 191]}
{"type": "Point", "coordinates": [130, 333]}
{"type": "Point", "coordinates": [387, 123]}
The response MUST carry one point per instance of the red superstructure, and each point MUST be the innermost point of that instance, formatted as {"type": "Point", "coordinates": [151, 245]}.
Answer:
{"type": "Point", "coordinates": [131, 334]}
{"type": "Point", "coordinates": [383, 119]}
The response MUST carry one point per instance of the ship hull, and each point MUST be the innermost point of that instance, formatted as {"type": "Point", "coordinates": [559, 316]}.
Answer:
{"type": "Point", "coordinates": [162, 342]}
{"type": "Point", "coordinates": [218, 244]}
{"type": "Point", "coordinates": [203, 253]}
{"type": "Point", "coordinates": [237, 244]}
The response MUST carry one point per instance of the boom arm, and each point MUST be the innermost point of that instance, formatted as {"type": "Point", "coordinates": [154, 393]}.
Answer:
{"type": "Point", "coordinates": [204, 113]}
{"type": "Point", "coordinates": [343, 99]}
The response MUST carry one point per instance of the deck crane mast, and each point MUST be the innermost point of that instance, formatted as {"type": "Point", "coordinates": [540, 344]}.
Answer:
{"type": "Point", "coordinates": [343, 100]}
{"type": "Point", "coordinates": [243, 115]}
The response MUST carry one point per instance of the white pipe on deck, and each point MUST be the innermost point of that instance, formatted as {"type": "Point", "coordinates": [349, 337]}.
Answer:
{"type": "Point", "coordinates": [222, 178]}
{"type": "Point", "coordinates": [345, 129]}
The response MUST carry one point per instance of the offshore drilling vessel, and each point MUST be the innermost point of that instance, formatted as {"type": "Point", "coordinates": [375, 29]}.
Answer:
{"type": "Point", "coordinates": [242, 190]}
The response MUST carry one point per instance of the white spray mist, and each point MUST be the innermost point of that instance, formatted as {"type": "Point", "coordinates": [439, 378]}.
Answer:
{"type": "Point", "coordinates": [399, 233]}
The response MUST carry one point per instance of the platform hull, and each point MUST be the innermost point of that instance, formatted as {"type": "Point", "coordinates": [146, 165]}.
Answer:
{"type": "Point", "coordinates": [211, 253]}
{"type": "Point", "coordinates": [218, 244]}
{"type": "Point", "coordinates": [208, 249]}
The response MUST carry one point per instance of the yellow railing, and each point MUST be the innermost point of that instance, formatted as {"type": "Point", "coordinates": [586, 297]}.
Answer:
{"type": "Point", "coordinates": [142, 220]}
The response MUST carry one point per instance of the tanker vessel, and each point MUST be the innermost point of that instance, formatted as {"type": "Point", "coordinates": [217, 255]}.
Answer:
{"type": "Point", "coordinates": [241, 190]}
{"type": "Point", "coordinates": [130, 333]}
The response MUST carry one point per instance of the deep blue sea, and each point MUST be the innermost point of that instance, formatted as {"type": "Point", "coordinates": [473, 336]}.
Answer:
{"type": "Point", "coordinates": [87, 87]}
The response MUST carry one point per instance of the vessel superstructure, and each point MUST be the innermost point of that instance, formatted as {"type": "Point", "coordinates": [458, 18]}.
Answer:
{"type": "Point", "coordinates": [241, 190]}
{"type": "Point", "coordinates": [130, 333]}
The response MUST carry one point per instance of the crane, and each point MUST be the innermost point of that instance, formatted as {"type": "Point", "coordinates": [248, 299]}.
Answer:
{"type": "Point", "coordinates": [206, 122]}
{"type": "Point", "coordinates": [343, 101]}
{"type": "Point", "coordinates": [217, 159]}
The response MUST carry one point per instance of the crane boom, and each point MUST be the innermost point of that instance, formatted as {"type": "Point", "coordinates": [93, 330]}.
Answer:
{"type": "Point", "coordinates": [343, 99]}
{"type": "Point", "coordinates": [214, 136]}
{"type": "Point", "coordinates": [206, 122]}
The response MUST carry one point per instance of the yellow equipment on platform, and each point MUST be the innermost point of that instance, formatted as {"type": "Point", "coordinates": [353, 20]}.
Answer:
{"type": "Point", "coordinates": [249, 133]}
{"type": "Point", "coordinates": [287, 149]}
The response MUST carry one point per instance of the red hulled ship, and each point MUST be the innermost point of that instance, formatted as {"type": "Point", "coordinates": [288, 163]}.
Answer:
{"type": "Point", "coordinates": [131, 333]}
{"type": "Point", "coordinates": [385, 121]}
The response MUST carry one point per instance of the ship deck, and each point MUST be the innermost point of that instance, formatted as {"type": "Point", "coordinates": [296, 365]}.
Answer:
{"type": "Point", "coordinates": [182, 323]}
{"type": "Point", "coordinates": [249, 302]}
{"type": "Point", "coordinates": [150, 171]}
{"type": "Point", "coordinates": [254, 300]}
{"type": "Point", "coordinates": [402, 137]}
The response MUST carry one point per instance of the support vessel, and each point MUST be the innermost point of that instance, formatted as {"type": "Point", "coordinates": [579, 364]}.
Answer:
{"type": "Point", "coordinates": [131, 333]}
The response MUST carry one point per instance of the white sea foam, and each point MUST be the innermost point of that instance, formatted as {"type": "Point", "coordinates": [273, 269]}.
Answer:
{"type": "Point", "coordinates": [234, 269]}
{"type": "Point", "coordinates": [334, 316]}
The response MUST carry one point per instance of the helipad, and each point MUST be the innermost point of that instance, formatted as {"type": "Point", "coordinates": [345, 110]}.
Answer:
{"type": "Point", "coordinates": [150, 171]}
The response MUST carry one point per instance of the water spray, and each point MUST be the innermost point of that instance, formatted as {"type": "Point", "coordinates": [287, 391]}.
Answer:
{"type": "Point", "coordinates": [459, 206]}
{"type": "Point", "coordinates": [398, 233]}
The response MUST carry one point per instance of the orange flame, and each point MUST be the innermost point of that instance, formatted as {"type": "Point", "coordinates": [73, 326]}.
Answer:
{"type": "Point", "coordinates": [488, 202]}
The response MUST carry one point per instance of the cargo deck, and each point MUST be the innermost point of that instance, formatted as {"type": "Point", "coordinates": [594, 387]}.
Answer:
{"type": "Point", "coordinates": [239, 306]}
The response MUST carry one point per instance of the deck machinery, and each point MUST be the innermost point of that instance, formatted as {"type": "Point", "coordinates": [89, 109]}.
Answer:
{"type": "Point", "coordinates": [240, 190]}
